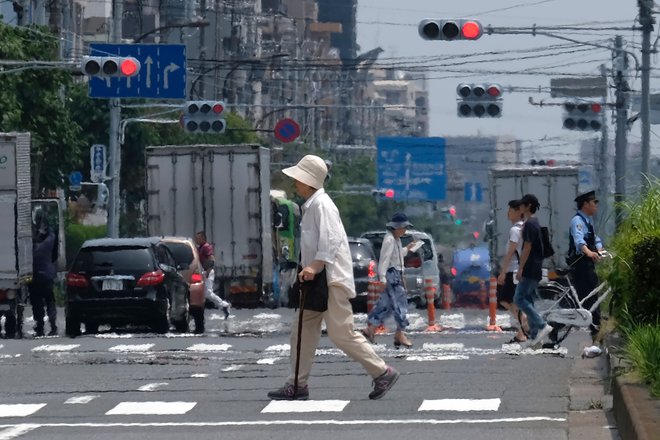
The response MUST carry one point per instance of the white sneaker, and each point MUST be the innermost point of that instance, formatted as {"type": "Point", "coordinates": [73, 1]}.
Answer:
{"type": "Point", "coordinates": [545, 331]}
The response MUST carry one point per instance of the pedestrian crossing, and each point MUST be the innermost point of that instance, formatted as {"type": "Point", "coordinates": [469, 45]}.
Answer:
{"type": "Point", "coordinates": [180, 407]}
{"type": "Point", "coordinates": [272, 354]}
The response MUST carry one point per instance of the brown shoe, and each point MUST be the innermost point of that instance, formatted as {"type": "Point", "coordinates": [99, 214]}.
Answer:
{"type": "Point", "coordinates": [400, 338]}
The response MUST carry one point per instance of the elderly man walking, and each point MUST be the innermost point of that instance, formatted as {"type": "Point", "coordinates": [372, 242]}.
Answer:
{"type": "Point", "coordinates": [324, 245]}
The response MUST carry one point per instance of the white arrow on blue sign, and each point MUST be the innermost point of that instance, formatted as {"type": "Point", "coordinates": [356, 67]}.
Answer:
{"type": "Point", "coordinates": [162, 72]}
{"type": "Point", "coordinates": [473, 192]}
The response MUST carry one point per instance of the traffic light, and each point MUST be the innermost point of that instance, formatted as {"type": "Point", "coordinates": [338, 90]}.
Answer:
{"type": "Point", "coordinates": [583, 116]}
{"type": "Point", "coordinates": [450, 29]}
{"type": "Point", "coordinates": [543, 162]}
{"type": "Point", "coordinates": [108, 67]}
{"type": "Point", "coordinates": [479, 100]}
{"type": "Point", "coordinates": [204, 117]}
{"type": "Point", "coordinates": [388, 193]}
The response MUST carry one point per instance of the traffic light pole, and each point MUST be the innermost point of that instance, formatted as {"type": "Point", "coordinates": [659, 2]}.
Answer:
{"type": "Point", "coordinates": [114, 151]}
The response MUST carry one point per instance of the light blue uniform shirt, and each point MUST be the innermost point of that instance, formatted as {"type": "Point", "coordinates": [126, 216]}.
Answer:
{"type": "Point", "coordinates": [579, 229]}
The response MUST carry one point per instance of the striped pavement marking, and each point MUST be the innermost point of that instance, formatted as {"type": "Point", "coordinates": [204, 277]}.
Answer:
{"type": "Point", "coordinates": [460, 405]}
{"type": "Point", "coordinates": [131, 348]}
{"type": "Point", "coordinates": [153, 386]}
{"type": "Point", "coordinates": [79, 400]}
{"type": "Point", "coordinates": [56, 347]}
{"type": "Point", "coordinates": [20, 409]}
{"type": "Point", "coordinates": [305, 406]}
{"type": "Point", "coordinates": [151, 408]}
{"type": "Point", "coordinates": [209, 347]}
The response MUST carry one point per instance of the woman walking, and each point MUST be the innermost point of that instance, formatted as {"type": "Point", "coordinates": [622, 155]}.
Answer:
{"type": "Point", "coordinates": [393, 300]}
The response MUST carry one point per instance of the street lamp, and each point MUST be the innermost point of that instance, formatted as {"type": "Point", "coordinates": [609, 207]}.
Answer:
{"type": "Point", "coordinates": [191, 24]}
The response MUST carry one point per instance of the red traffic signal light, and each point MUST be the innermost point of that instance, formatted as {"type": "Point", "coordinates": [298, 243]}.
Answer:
{"type": "Point", "coordinates": [389, 193]}
{"type": "Point", "coordinates": [583, 116]}
{"type": "Point", "coordinates": [450, 29]}
{"type": "Point", "coordinates": [204, 117]}
{"type": "Point", "coordinates": [452, 211]}
{"type": "Point", "coordinates": [479, 100]}
{"type": "Point", "coordinates": [107, 67]}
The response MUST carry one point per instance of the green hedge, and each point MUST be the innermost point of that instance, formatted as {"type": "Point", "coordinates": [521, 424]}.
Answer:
{"type": "Point", "coordinates": [76, 235]}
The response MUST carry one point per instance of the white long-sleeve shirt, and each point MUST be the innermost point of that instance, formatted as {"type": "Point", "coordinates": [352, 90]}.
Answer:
{"type": "Point", "coordinates": [323, 238]}
{"type": "Point", "coordinates": [391, 255]}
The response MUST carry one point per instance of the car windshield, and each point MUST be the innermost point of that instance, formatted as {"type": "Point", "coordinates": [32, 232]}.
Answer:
{"type": "Point", "coordinates": [182, 252]}
{"type": "Point", "coordinates": [360, 251]}
{"type": "Point", "coordinates": [119, 259]}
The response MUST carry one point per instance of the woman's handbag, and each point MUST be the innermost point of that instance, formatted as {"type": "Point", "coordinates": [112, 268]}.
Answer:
{"type": "Point", "coordinates": [315, 293]}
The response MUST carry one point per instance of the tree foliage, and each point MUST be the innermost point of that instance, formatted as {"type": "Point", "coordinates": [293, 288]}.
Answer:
{"type": "Point", "coordinates": [34, 100]}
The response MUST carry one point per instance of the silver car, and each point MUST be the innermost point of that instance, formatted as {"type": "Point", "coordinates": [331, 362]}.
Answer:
{"type": "Point", "coordinates": [418, 266]}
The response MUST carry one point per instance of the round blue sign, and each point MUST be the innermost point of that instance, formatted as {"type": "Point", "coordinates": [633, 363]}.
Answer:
{"type": "Point", "coordinates": [75, 178]}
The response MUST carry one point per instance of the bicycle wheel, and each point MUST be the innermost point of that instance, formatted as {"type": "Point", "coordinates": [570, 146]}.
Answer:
{"type": "Point", "coordinates": [558, 334]}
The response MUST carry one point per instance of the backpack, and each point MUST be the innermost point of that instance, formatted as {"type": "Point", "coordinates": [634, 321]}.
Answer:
{"type": "Point", "coordinates": [546, 245]}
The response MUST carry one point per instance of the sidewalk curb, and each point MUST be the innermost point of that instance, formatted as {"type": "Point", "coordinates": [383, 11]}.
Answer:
{"type": "Point", "coordinates": [637, 414]}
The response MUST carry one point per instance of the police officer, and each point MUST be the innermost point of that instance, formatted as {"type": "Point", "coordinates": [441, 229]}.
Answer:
{"type": "Point", "coordinates": [583, 252]}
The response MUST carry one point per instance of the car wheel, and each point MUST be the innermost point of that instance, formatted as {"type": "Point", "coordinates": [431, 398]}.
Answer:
{"type": "Point", "coordinates": [72, 324]}
{"type": "Point", "coordinates": [91, 327]}
{"type": "Point", "coordinates": [181, 311]}
{"type": "Point", "coordinates": [161, 323]}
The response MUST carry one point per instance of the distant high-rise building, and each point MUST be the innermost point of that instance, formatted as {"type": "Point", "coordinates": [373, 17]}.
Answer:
{"type": "Point", "coordinates": [344, 12]}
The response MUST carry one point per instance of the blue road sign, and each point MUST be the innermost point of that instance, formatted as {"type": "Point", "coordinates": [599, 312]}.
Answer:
{"type": "Point", "coordinates": [413, 167]}
{"type": "Point", "coordinates": [98, 162]}
{"type": "Point", "coordinates": [75, 178]}
{"type": "Point", "coordinates": [162, 72]}
{"type": "Point", "coordinates": [473, 192]}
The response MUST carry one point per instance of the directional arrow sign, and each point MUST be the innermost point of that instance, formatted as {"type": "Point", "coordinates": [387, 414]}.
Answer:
{"type": "Point", "coordinates": [162, 73]}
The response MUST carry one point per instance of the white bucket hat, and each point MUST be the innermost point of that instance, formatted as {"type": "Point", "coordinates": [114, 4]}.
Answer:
{"type": "Point", "coordinates": [311, 170]}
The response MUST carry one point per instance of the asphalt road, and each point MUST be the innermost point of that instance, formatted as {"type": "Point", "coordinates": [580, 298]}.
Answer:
{"type": "Point", "coordinates": [462, 383]}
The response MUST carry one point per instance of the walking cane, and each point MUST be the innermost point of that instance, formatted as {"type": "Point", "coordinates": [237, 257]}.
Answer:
{"type": "Point", "coordinates": [301, 304]}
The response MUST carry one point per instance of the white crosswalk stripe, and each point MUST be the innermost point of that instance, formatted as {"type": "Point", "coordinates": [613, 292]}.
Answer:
{"type": "Point", "coordinates": [151, 408]}
{"type": "Point", "coordinates": [134, 348]}
{"type": "Point", "coordinates": [56, 347]}
{"type": "Point", "coordinates": [305, 406]}
{"type": "Point", "coordinates": [460, 405]}
{"type": "Point", "coordinates": [20, 409]}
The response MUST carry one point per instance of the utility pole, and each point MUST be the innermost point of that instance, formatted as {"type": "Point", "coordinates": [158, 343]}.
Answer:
{"type": "Point", "coordinates": [647, 20]}
{"type": "Point", "coordinates": [619, 70]}
{"type": "Point", "coordinates": [202, 48]}
{"type": "Point", "coordinates": [603, 174]}
{"type": "Point", "coordinates": [114, 149]}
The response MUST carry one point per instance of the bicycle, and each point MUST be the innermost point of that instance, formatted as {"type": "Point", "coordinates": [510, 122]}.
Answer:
{"type": "Point", "coordinates": [566, 310]}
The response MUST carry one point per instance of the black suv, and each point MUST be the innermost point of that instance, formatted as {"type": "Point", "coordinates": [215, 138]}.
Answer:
{"type": "Point", "coordinates": [365, 270]}
{"type": "Point", "coordinates": [122, 281]}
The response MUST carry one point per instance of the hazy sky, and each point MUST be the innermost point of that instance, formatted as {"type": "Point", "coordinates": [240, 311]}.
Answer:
{"type": "Point", "coordinates": [392, 25]}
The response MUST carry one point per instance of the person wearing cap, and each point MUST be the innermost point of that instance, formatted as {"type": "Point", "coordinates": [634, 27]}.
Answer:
{"type": "Point", "coordinates": [506, 282]}
{"type": "Point", "coordinates": [530, 271]}
{"type": "Point", "coordinates": [393, 299]}
{"type": "Point", "coordinates": [583, 252]}
{"type": "Point", "coordinates": [324, 244]}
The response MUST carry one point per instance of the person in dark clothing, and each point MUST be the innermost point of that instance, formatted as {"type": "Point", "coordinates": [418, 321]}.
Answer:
{"type": "Point", "coordinates": [43, 274]}
{"type": "Point", "coordinates": [583, 253]}
{"type": "Point", "coordinates": [530, 271]}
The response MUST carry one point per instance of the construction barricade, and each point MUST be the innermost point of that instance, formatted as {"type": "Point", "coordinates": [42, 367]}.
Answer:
{"type": "Point", "coordinates": [373, 292]}
{"type": "Point", "coordinates": [492, 306]}
{"type": "Point", "coordinates": [446, 296]}
{"type": "Point", "coordinates": [429, 293]}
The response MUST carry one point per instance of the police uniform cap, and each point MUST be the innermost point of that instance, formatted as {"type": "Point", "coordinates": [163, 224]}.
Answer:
{"type": "Point", "coordinates": [591, 195]}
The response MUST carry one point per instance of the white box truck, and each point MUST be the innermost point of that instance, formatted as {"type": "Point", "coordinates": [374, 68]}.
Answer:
{"type": "Point", "coordinates": [15, 228]}
{"type": "Point", "coordinates": [555, 187]}
{"type": "Point", "coordinates": [223, 190]}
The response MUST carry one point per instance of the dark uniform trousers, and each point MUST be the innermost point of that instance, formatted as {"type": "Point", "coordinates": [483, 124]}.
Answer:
{"type": "Point", "coordinates": [585, 280]}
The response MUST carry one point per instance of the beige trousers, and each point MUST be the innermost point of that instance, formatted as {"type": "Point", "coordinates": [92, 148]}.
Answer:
{"type": "Point", "coordinates": [339, 323]}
